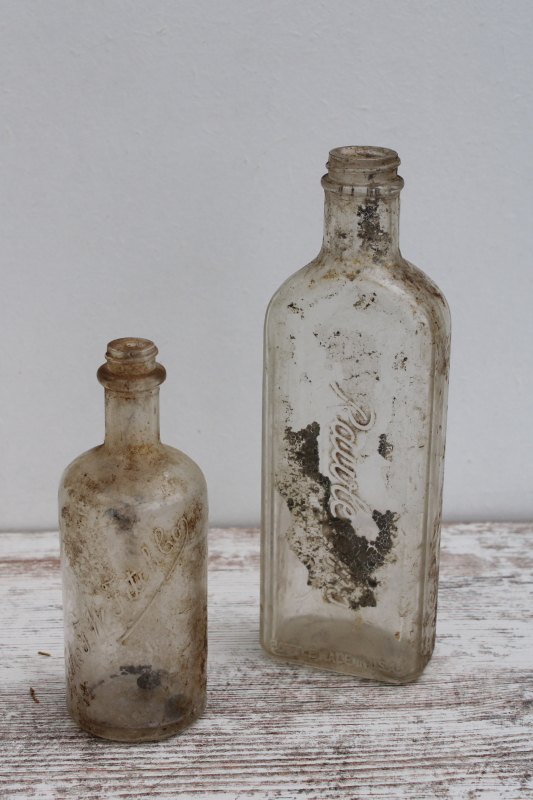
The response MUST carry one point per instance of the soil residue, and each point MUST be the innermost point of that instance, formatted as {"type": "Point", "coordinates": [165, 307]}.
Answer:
{"type": "Point", "coordinates": [372, 235]}
{"type": "Point", "coordinates": [385, 448]}
{"type": "Point", "coordinates": [125, 520]}
{"type": "Point", "coordinates": [148, 678]}
{"type": "Point", "coordinates": [339, 561]}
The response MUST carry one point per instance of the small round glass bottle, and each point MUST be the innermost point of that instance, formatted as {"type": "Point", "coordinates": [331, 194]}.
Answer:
{"type": "Point", "coordinates": [133, 532]}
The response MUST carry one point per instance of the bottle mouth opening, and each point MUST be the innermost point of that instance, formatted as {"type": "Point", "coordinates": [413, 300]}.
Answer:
{"type": "Point", "coordinates": [358, 165]}
{"type": "Point", "coordinates": [358, 157]}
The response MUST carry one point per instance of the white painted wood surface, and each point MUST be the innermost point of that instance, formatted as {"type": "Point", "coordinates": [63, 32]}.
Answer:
{"type": "Point", "coordinates": [273, 730]}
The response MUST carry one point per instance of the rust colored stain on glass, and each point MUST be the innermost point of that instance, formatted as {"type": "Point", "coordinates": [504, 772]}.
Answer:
{"type": "Point", "coordinates": [133, 528]}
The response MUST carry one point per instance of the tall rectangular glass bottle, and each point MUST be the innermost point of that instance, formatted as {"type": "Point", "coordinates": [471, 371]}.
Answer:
{"type": "Point", "coordinates": [355, 393]}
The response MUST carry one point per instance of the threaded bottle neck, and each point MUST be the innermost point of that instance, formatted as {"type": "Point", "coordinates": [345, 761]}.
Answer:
{"type": "Point", "coordinates": [355, 169]}
{"type": "Point", "coordinates": [362, 204]}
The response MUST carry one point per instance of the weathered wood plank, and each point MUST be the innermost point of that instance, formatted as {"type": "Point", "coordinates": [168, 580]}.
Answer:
{"type": "Point", "coordinates": [274, 730]}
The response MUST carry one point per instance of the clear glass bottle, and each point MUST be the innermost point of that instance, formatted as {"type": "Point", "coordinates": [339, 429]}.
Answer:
{"type": "Point", "coordinates": [355, 393]}
{"type": "Point", "coordinates": [133, 531]}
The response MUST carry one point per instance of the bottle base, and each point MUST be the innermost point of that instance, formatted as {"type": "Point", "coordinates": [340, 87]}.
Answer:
{"type": "Point", "coordinates": [145, 734]}
{"type": "Point", "coordinates": [367, 652]}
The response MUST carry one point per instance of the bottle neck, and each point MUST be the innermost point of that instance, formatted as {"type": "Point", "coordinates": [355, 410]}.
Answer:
{"type": "Point", "coordinates": [362, 226]}
{"type": "Point", "coordinates": [131, 419]}
{"type": "Point", "coordinates": [362, 204]}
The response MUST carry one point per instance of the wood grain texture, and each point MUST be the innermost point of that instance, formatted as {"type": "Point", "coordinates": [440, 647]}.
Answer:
{"type": "Point", "coordinates": [274, 730]}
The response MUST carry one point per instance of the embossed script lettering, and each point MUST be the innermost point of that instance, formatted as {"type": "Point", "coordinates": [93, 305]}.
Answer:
{"type": "Point", "coordinates": [341, 540]}
{"type": "Point", "coordinates": [345, 501]}
{"type": "Point", "coordinates": [174, 541]}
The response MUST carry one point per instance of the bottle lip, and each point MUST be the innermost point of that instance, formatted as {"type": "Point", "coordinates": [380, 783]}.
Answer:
{"type": "Point", "coordinates": [364, 166]}
{"type": "Point", "coordinates": [131, 366]}
{"type": "Point", "coordinates": [131, 384]}
{"type": "Point", "coordinates": [363, 158]}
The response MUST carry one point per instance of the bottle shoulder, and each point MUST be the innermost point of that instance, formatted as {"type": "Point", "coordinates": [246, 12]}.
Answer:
{"type": "Point", "coordinates": [424, 292]}
{"type": "Point", "coordinates": [327, 280]}
{"type": "Point", "coordinates": [154, 474]}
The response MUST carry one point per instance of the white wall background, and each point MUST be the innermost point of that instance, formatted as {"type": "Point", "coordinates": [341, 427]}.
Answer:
{"type": "Point", "coordinates": [160, 168]}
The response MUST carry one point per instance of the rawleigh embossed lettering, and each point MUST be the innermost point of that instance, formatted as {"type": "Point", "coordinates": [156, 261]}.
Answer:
{"type": "Point", "coordinates": [345, 501]}
{"type": "Point", "coordinates": [339, 538]}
